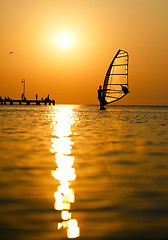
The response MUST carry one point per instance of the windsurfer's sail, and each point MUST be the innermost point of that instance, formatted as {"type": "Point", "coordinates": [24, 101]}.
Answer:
{"type": "Point", "coordinates": [116, 81]}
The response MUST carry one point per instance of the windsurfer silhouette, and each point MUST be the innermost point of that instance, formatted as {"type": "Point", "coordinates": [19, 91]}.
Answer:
{"type": "Point", "coordinates": [101, 98]}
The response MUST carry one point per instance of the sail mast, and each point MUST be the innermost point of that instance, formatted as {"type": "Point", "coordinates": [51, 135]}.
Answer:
{"type": "Point", "coordinates": [108, 72]}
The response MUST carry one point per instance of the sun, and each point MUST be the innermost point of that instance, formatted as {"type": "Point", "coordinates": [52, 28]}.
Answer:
{"type": "Point", "coordinates": [64, 40]}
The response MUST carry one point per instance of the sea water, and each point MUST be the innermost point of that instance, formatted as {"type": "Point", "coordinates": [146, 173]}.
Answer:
{"type": "Point", "coordinates": [73, 171]}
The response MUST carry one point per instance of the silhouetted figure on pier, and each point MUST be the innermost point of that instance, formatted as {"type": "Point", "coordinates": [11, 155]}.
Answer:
{"type": "Point", "coordinates": [36, 97]}
{"type": "Point", "coordinates": [22, 96]}
{"type": "Point", "coordinates": [47, 98]}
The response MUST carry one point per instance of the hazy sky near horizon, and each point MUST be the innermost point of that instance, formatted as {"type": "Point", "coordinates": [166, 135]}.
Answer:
{"type": "Point", "coordinates": [63, 48]}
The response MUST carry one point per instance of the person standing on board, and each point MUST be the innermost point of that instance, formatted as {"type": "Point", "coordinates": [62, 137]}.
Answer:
{"type": "Point", "coordinates": [101, 98]}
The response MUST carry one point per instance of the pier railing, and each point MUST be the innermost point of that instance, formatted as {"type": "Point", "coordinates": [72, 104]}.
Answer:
{"type": "Point", "coordinates": [27, 102]}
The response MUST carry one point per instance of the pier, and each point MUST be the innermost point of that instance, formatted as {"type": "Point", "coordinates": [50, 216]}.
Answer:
{"type": "Point", "coordinates": [26, 102]}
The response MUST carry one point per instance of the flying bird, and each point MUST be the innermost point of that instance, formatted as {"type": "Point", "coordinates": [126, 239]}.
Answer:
{"type": "Point", "coordinates": [10, 52]}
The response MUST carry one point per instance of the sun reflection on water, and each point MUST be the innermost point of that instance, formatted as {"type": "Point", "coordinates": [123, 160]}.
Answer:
{"type": "Point", "coordinates": [65, 172]}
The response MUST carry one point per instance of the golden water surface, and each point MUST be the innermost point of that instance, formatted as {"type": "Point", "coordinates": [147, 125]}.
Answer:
{"type": "Point", "coordinates": [75, 172]}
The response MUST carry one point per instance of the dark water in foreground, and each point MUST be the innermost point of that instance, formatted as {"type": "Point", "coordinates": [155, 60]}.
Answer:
{"type": "Point", "coordinates": [74, 171]}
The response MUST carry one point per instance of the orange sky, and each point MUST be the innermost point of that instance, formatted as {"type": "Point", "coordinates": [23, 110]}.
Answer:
{"type": "Point", "coordinates": [97, 29]}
